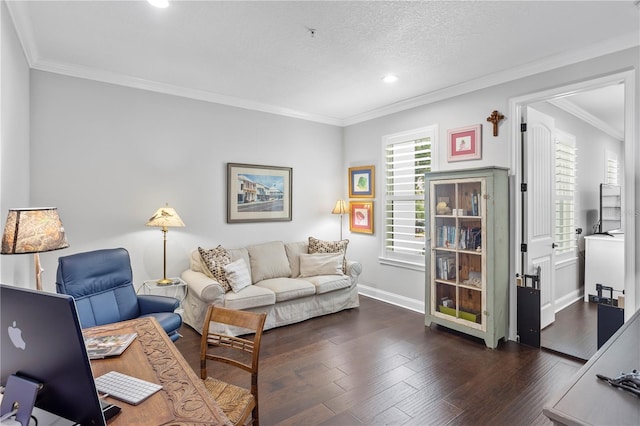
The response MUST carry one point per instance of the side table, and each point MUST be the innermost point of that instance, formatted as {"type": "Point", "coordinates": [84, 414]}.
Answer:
{"type": "Point", "coordinates": [177, 290]}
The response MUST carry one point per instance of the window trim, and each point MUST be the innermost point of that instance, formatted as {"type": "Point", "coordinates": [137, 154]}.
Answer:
{"type": "Point", "coordinates": [414, 262]}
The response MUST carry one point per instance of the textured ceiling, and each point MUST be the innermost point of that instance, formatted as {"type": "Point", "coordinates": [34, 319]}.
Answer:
{"type": "Point", "coordinates": [261, 54]}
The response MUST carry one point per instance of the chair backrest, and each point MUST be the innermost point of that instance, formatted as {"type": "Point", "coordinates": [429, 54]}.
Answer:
{"type": "Point", "coordinates": [101, 282]}
{"type": "Point", "coordinates": [252, 322]}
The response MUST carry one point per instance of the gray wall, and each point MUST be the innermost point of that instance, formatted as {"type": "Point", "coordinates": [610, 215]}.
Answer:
{"type": "Point", "coordinates": [14, 143]}
{"type": "Point", "coordinates": [108, 156]}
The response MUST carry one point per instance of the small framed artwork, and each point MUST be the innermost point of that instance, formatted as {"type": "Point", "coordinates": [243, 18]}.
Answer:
{"type": "Point", "coordinates": [361, 216]}
{"type": "Point", "coordinates": [258, 193]}
{"type": "Point", "coordinates": [361, 182]}
{"type": "Point", "coordinates": [464, 143]}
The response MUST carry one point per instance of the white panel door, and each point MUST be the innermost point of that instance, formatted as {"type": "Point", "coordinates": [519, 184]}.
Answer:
{"type": "Point", "coordinates": [540, 229]}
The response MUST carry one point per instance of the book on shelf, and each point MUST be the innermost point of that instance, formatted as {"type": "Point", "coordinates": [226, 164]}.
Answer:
{"type": "Point", "coordinates": [106, 346]}
{"type": "Point", "coordinates": [470, 238]}
{"type": "Point", "coordinates": [446, 267]}
{"type": "Point", "coordinates": [446, 236]}
{"type": "Point", "coordinates": [474, 203]}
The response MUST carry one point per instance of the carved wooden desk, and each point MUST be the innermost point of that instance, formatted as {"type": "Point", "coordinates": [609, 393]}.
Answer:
{"type": "Point", "coordinates": [153, 357]}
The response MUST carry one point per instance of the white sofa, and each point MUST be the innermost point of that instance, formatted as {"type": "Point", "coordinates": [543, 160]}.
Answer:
{"type": "Point", "coordinates": [284, 283]}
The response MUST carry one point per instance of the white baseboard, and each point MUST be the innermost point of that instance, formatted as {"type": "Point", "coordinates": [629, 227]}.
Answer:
{"type": "Point", "coordinates": [394, 299]}
{"type": "Point", "coordinates": [419, 306]}
{"type": "Point", "coordinates": [568, 299]}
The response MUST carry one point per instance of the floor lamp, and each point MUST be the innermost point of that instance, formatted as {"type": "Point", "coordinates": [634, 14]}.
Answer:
{"type": "Point", "coordinates": [165, 217]}
{"type": "Point", "coordinates": [340, 208]}
{"type": "Point", "coordinates": [33, 230]}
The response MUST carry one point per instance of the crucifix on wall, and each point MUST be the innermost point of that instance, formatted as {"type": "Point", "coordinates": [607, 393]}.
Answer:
{"type": "Point", "coordinates": [494, 119]}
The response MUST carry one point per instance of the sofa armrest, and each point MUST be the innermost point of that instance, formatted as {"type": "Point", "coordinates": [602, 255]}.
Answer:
{"type": "Point", "coordinates": [203, 287]}
{"type": "Point", "coordinates": [150, 304]}
{"type": "Point", "coordinates": [354, 269]}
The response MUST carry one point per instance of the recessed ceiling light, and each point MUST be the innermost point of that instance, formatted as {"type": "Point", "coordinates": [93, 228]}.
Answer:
{"type": "Point", "coordinates": [159, 3]}
{"type": "Point", "coordinates": [390, 78]}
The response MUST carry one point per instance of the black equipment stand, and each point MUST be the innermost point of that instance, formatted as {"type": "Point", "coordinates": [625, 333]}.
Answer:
{"type": "Point", "coordinates": [528, 306]}
{"type": "Point", "coordinates": [610, 317]}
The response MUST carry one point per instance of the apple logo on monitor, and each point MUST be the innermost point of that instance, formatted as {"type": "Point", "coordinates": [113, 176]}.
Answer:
{"type": "Point", "coordinates": [15, 334]}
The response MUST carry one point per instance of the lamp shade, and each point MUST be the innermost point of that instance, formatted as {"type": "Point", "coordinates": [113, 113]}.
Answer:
{"type": "Point", "coordinates": [165, 217]}
{"type": "Point", "coordinates": [340, 208]}
{"type": "Point", "coordinates": [33, 230]}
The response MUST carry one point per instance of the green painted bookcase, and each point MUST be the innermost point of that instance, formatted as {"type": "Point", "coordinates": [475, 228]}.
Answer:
{"type": "Point", "coordinates": [467, 258]}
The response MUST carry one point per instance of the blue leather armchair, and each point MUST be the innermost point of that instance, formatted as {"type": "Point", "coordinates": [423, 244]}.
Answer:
{"type": "Point", "coordinates": [101, 282]}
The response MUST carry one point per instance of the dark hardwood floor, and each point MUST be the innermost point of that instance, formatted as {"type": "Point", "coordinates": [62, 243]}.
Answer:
{"type": "Point", "coordinates": [574, 331]}
{"type": "Point", "coordinates": [379, 365]}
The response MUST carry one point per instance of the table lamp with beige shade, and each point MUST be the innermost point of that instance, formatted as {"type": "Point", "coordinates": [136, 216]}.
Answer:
{"type": "Point", "coordinates": [165, 217]}
{"type": "Point", "coordinates": [33, 230]}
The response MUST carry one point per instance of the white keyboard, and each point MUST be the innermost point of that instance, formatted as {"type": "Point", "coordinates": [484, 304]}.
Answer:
{"type": "Point", "coordinates": [126, 388]}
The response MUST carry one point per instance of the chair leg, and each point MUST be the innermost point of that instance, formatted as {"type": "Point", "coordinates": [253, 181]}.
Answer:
{"type": "Point", "coordinates": [254, 391]}
{"type": "Point", "coordinates": [255, 421]}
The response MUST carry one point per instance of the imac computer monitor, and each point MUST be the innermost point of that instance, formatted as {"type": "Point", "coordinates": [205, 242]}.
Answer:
{"type": "Point", "coordinates": [42, 341]}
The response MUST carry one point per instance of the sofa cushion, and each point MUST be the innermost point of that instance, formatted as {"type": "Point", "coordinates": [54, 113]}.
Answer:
{"type": "Point", "coordinates": [268, 260]}
{"type": "Point", "coordinates": [214, 261]}
{"type": "Point", "coordinates": [328, 283]}
{"type": "Point", "coordinates": [238, 275]}
{"type": "Point", "coordinates": [249, 297]}
{"type": "Point", "coordinates": [315, 264]}
{"type": "Point", "coordinates": [288, 288]}
{"type": "Point", "coordinates": [240, 253]}
{"type": "Point", "coordinates": [195, 262]}
{"type": "Point", "coordinates": [293, 253]}
{"type": "Point", "coordinates": [320, 246]}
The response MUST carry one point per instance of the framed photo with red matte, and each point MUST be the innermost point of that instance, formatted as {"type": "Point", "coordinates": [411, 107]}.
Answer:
{"type": "Point", "coordinates": [361, 216]}
{"type": "Point", "coordinates": [464, 143]}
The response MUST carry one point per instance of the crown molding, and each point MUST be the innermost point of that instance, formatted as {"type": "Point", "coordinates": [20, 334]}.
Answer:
{"type": "Point", "coordinates": [24, 30]}
{"type": "Point", "coordinates": [27, 40]}
{"type": "Point", "coordinates": [573, 109]}
{"type": "Point", "coordinates": [557, 61]}
{"type": "Point", "coordinates": [181, 91]}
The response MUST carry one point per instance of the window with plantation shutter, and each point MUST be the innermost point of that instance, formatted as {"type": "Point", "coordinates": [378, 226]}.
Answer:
{"type": "Point", "coordinates": [407, 157]}
{"type": "Point", "coordinates": [611, 168]}
{"type": "Point", "coordinates": [565, 177]}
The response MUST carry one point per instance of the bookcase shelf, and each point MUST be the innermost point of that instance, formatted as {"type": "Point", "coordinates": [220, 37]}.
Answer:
{"type": "Point", "coordinates": [467, 263]}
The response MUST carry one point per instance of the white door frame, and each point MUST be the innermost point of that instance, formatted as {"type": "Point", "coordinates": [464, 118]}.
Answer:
{"type": "Point", "coordinates": [516, 104]}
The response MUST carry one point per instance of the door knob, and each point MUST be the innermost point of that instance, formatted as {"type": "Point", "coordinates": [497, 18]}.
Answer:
{"type": "Point", "coordinates": [554, 245]}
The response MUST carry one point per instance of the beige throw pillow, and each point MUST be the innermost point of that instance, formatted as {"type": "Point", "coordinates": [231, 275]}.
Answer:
{"type": "Point", "coordinates": [214, 261]}
{"type": "Point", "coordinates": [320, 246]}
{"type": "Point", "coordinates": [268, 260]}
{"type": "Point", "coordinates": [294, 250]}
{"type": "Point", "coordinates": [312, 265]}
{"type": "Point", "coordinates": [238, 275]}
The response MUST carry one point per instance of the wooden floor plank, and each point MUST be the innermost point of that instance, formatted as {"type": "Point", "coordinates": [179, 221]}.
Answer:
{"type": "Point", "coordinates": [313, 415]}
{"type": "Point", "coordinates": [574, 331]}
{"type": "Point", "coordinates": [378, 365]}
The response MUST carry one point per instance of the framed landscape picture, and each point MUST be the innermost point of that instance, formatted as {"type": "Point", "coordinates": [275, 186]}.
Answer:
{"type": "Point", "coordinates": [361, 182]}
{"type": "Point", "coordinates": [258, 193]}
{"type": "Point", "coordinates": [464, 143]}
{"type": "Point", "coordinates": [361, 216]}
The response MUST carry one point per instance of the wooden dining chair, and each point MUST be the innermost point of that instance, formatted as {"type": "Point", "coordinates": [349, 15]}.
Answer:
{"type": "Point", "coordinates": [243, 352]}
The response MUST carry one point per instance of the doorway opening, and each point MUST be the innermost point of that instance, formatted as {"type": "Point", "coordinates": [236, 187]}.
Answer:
{"type": "Point", "coordinates": [522, 263]}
